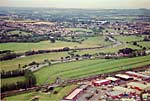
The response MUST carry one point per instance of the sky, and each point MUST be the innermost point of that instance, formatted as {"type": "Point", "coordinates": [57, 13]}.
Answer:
{"type": "Point", "coordinates": [93, 4]}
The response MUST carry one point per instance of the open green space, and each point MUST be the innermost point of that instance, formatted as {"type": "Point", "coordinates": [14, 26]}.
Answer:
{"type": "Point", "coordinates": [62, 91]}
{"type": "Point", "coordinates": [11, 80]}
{"type": "Point", "coordinates": [87, 68]}
{"type": "Point", "coordinates": [115, 49]}
{"type": "Point", "coordinates": [21, 47]}
{"type": "Point", "coordinates": [13, 64]}
{"type": "Point", "coordinates": [128, 38]}
{"type": "Point", "coordinates": [110, 49]}
{"type": "Point", "coordinates": [79, 29]}
{"type": "Point", "coordinates": [19, 32]}
{"type": "Point", "coordinates": [144, 44]}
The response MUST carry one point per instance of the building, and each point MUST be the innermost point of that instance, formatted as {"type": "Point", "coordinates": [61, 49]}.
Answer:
{"type": "Point", "coordinates": [113, 79]}
{"type": "Point", "coordinates": [138, 75]}
{"type": "Point", "coordinates": [101, 82]}
{"type": "Point", "coordinates": [115, 94]}
{"type": "Point", "coordinates": [73, 95]}
{"type": "Point", "coordinates": [126, 99]}
{"type": "Point", "coordinates": [125, 90]}
{"type": "Point", "coordinates": [139, 86]}
{"type": "Point", "coordinates": [123, 77]}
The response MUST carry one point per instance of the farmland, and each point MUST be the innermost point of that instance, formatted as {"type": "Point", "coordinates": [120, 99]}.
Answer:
{"type": "Point", "coordinates": [13, 64]}
{"type": "Point", "coordinates": [62, 91]}
{"type": "Point", "coordinates": [47, 53]}
{"type": "Point", "coordinates": [87, 68]}
{"type": "Point", "coordinates": [144, 44]}
{"type": "Point", "coordinates": [11, 80]}
{"type": "Point", "coordinates": [128, 38]}
{"type": "Point", "coordinates": [19, 32]}
{"type": "Point", "coordinates": [110, 49]}
{"type": "Point", "coordinates": [22, 47]}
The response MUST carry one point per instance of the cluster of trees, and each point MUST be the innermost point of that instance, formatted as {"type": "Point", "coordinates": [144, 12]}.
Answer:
{"type": "Point", "coordinates": [132, 52]}
{"type": "Point", "coordinates": [4, 51]}
{"type": "Point", "coordinates": [146, 38]}
{"type": "Point", "coordinates": [136, 44]}
{"type": "Point", "coordinates": [6, 37]}
{"type": "Point", "coordinates": [126, 51]}
{"type": "Point", "coordinates": [28, 53]}
{"type": "Point", "coordinates": [30, 81]}
{"type": "Point", "coordinates": [9, 55]}
{"type": "Point", "coordinates": [73, 39]}
{"type": "Point", "coordinates": [13, 73]}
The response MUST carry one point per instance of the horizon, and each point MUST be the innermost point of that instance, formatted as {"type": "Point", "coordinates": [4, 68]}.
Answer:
{"type": "Point", "coordinates": [78, 4]}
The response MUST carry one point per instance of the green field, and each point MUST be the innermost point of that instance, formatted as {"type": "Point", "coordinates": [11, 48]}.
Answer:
{"type": "Point", "coordinates": [128, 38]}
{"type": "Point", "coordinates": [12, 80]}
{"type": "Point", "coordinates": [86, 68]}
{"type": "Point", "coordinates": [144, 44]}
{"type": "Point", "coordinates": [107, 50]}
{"type": "Point", "coordinates": [13, 64]}
{"type": "Point", "coordinates": [62, 91]}
{"type": "Point", "coordinates": [21, 47]}
{"type": "Point", "coordinates": [79, 29]}
{"type": "Point", "coordinates": [115, 49]}
{"type": "Point", "coordinates": [19, 32]}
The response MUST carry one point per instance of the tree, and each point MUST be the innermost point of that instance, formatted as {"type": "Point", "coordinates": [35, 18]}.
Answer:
{"type": "Point", "coordinates": [134, 43]}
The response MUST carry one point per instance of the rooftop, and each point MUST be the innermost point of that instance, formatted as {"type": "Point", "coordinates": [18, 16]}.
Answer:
{"type": "Point", "coordinates": [73, 94]}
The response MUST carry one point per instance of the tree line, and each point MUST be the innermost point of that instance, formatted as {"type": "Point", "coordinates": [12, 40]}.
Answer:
{"type": "Point", "coordinates": [13, 73]}
{"type": "Point", "coordinates": [30, 81]}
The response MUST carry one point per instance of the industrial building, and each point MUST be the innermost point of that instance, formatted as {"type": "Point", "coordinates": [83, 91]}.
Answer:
{"type": "Point", "coordinates": [139, 86]}
{"type": "Point", "coordinates": [115, 94]}
{"type": "Point", "coordinates": [101, 82]}
{"type": "Point", "coordinates": [113, 79]}
{"type": "Point", "coordinates": [125, 90]}
{"type": "Point", "coordinates": [144, 77]}
{"type": "Point", "coordinates": [123, 77]}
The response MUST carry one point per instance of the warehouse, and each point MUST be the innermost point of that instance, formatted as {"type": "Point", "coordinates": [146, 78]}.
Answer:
{"type": "Point", "coordinates": [115, 94]}
{"type": "Point", "coordinates": [123, 77]}
{"type": "Point", "coordinates": [73, 95]}
{"type": "Point", "coordinates": [139, 86]}
{"type": "Point", "coordinates": [125, 90]}
{"type": "Point", "coordinates": [144, 77]}
{"type": "Point", "coordinates": [112, 79]}
{"type": "Point", "coordinates": [101, 82]}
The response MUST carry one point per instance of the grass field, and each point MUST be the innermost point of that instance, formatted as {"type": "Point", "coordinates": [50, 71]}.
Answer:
{"type": "Point", "coordinates": [79, 29]}
{"type": "Point", "coordinates": [12, 80]}
{"type": "Point", "coordinates": [107, 50]}
{"type": "Point", "coordinates": [21, 47]}
{"type": "Point", "coordinates": [13, 64]}
{"type": "Point", "coordinates": [144, 44]}
{"type": "Point", "coordinates": [19, 32]}
{"type": "Point", "coordinates": [115, 49]}
{"type": "Point", "coordinates": [86, 68]}
{"type": "Point", "coordinates": [43, 97]}
{"type": "Point", "coordinates": [128, 38]}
